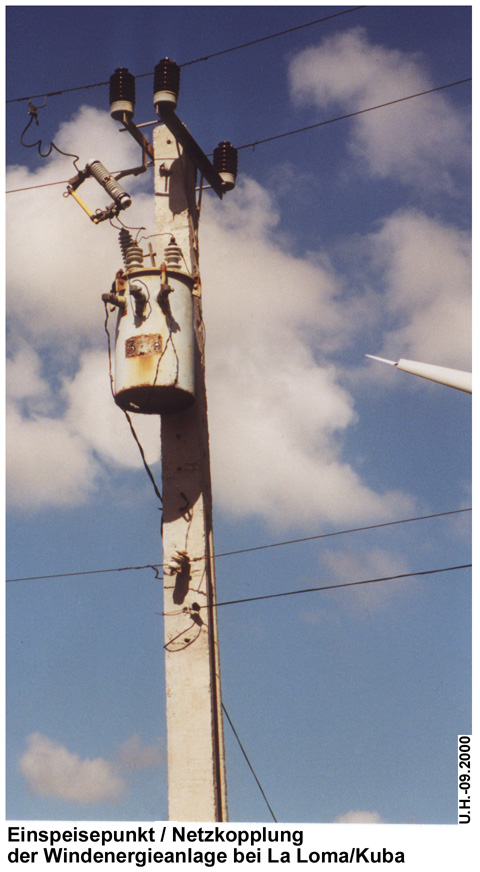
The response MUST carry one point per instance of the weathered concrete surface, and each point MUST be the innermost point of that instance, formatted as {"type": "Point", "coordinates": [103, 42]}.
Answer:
{"type": "Point", "coordinates": [196, 759]}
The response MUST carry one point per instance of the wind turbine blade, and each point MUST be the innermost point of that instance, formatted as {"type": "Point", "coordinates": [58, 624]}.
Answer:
{"type": "Point", "coordinates": [453, 378]}
{"type": "Point", "coordinates": [381, 359]}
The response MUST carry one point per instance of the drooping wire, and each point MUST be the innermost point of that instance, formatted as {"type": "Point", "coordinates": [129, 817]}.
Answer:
{"type": "Point", "coordinates": [33, 112]}
{"type": "Point", "coordinates": [186, 641]}
{"type": "Point", "coordinates": [127, 227]}
{"type": "Point", "coordinates": [248, 761]}
{"type": "Point", "coordinates": [142, 454]}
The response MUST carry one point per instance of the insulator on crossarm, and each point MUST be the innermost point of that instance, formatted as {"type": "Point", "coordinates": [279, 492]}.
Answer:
{"type": "Point", "coordinates": [225, 161]}
{"type": "Point", "coordinates": [122, 94]}
{"type": "Point", "coordinates": [166, 84]}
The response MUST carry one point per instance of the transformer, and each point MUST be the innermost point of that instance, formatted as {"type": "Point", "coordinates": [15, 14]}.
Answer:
{"type": "Point", "coordinates": [154, 368]}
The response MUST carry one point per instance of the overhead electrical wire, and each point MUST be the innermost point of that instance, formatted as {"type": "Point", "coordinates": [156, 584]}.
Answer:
{"type": "Point", "coordinates": [197, 60]}
{"type": "Point", "coordinates": [297, 130]}
{"type": "Point", "coordinates": [155, 566]}
{"type": "Point", "coordinates": [266, 596]}
{"type": "Point", "coordinates": [33, 187]}
{"type": "Point", "coordinates": [341, 532]}
{"type": "Point", "coordinates": [248, 761]}
{"type": "Point", "coordinates": [352, 114]}
{"type": "Point", "coordinates": [271, 36]}
{"type": "Point", "coordinates": [293, 541]}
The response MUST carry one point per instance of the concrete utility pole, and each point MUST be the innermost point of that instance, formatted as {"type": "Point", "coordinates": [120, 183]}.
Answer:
{"type": "Point", "coordinates": [160, 370]}
{"type": "Point", "coordinates": [196, 757]}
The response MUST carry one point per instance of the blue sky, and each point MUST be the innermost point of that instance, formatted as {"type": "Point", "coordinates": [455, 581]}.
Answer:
{"type": "Point", "coordinates": [347, 239]}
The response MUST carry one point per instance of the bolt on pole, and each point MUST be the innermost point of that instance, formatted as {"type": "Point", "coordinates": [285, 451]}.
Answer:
{"type": "Point", "coordinates": [196, 756]}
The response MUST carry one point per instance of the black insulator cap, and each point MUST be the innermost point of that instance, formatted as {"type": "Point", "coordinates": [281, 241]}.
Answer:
{"type": "Point", "coordinates": [166, 77]}
{"type": "Point", "coordinates": [122, 86]}
{"type": "Point", "coordinates": [225, 158]}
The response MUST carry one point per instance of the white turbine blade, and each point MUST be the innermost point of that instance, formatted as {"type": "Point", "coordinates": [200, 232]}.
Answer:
{"type": "Point", "coordinates": [452, 378]}
{"type": "Point", "coordinates": [381, 359]}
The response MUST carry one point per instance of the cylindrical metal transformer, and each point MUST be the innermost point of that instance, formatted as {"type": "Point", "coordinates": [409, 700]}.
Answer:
{"type": "Point", "coordinates": [122, 93]}
{"type": "Point", "coordinates": [154, 348]}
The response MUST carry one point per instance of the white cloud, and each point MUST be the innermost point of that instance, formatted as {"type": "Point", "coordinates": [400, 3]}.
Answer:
{"type": "Point", "coordinates": [53, 457]}
{"type": "Point", "coordinates": [47, 464]}
{"type": "Point", "coordinates": [94, 416]}
{"type": "Point", "coordinates": [359, 817]}
{"type": "Point", "coordinates": [426, 269]}
{"type": "Point", "coordinates": [277, 409]}
{"type": "Point", "coordinates": [23, 378]}
{"type": "Point", "coordinates": [91, 134]}
{"type": "Point", "coordinates": [59, 263]}
{"type": "Point", "coordinates": [53, 771]}
{"type": "Point", "coordinates": [276, 413]}
{"type": "Point", "coordinates": [133, 755]}
{"type": "Point", "coordinates": [419, 143]}
{"type": "Point", "coordinates": [364, 565]}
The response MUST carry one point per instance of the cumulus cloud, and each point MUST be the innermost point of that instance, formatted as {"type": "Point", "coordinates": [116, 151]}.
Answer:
{"type": "Point", "coordinates": [359, 817]}
{"type": "Point", "coordinates": [58, 438]}
{"type": "Point", "coordinates": [47, 464]}
{"type": "Point", "coordinates": [24, 381]}
{"type": "Point", "coordinates": [54, 293]}
{"type": "Point", "coordinates": [134, 755]}
{"type": "Point", "coordinates": [92, 414]}
{"type": "Point", "coordinates": [51, 770]}
{"type": "Point", "coordinates": [348, 73]}
{"type": "Point", "coordinates": [425, 267]}
{"type": "Point", "coordinates": [277, 406]}
{"type": "Point", "coordinates": [277, 409]}
{"type": "Point", "coordinates": [363, 565]}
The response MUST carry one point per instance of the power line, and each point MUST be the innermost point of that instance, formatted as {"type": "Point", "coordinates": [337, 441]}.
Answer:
{"type": "Point", "coordinates": [353, 114]}
{"type": "Point", "coordinates": [272, 36]}
{"type": "Point", "coordinates": [196, 60]}
{"type": "Point", "coordinates": [343, 584]}
{"type": "Point", "coordinates": [340, 532]}
{"type": "Point", "coordinates": [299, 129]}
{"type": "Point", "coordinates": [33, 187]}
{"type": "Point", "coordinates": [153, 566]}
{"type": "Point", "coordinates": [156, 566]}
{"type": "Point", "coordinates": [248, 761]}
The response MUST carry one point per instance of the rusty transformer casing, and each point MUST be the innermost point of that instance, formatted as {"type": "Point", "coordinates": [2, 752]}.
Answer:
{"type": "Point", "coordinates": [154, 370]}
